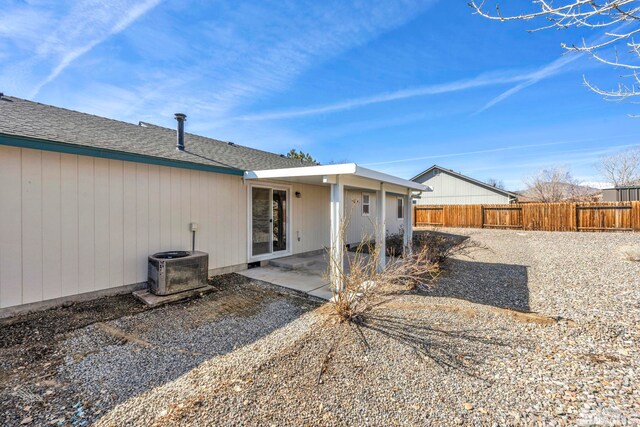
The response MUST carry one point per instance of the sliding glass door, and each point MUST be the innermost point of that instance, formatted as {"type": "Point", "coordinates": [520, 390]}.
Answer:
{"type": "Point", "coordinates": [279, 214]}
{"type": "Point", "coordinates": [260, 221]}
{"type": "Point", "coordinates": [269, 221]}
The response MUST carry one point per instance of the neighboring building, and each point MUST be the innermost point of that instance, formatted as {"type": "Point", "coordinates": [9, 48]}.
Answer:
{"type": "Point", "coordinates": [622, 194]}
{"type": "Point", "coordinates": [85, 200]}
{"type": "Point", "coordinates": [452, 188]}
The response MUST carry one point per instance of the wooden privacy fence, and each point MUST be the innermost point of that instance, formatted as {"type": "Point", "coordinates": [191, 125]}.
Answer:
{"type": "Point", "coordinates": [614, 216]}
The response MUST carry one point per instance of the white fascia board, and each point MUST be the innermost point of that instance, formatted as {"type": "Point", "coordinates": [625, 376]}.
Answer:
{"type": "Point", "coordinates": [328, 170]}
{"type": "Point", "coordinates": [346, 168]}
{"type": "Point", "coordinates": [383, 177]}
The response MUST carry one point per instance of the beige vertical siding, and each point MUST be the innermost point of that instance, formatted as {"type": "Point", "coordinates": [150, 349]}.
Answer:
{"type": "Point", "coordinates": [394, 224]}
{"type": "Point", "coordinates": [69, 225]}
{"type": "Point", "coordinates": [51, 225]}
{"type": "Point", "coordinates": [74, 224]}
{"type": "Point", "coordinates": [310, 218]}
{"type": "Point", "coordinates": [359, 226]}
{"type": "Point", "coordinates": [451, 190]}
{"type": "Point", "coordinates": [10, 227]}
{"type": "Point", "coordinates": [32, 246]}
{"type": "Point", "coordinates": [87, 231]}
{"type": "Point", "coordinates": [364, 226]}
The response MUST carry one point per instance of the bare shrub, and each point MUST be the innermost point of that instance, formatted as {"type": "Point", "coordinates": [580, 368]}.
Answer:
{"type": "Point", "coordinates": [440, 246]}
{"type": "Point", "coordinates": [364, 286]}
{"type": "Point", "coordinates": [360, 285]}
{"type": "Point", "coordinates": [443, 246]}
{"type": "Point", "coordinates": [395, 243]}
{"type": "Point", "coordinates": [361, 291]}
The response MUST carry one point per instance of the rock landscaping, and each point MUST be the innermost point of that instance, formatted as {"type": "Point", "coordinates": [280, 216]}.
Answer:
{"type": "Point", "coordinates": [54, 370]}
{"type": "Point", "coordinates": [538, 328]}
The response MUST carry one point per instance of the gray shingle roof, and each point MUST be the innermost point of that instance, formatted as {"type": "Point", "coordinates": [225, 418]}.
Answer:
{"type": "Point", "coordinates": [19, 117]}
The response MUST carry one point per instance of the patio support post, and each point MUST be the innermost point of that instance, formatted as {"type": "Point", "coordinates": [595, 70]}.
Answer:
{"type": "Point", "coordinates": [407, 223]}
{"type": "Point", "coordinates": [337, 244]}
{"type": "Point", "coordinates": [382, 227]}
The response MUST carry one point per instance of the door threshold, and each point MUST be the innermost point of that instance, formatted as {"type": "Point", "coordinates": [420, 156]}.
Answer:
{"type": "Point", "coordinates": [270, 257]}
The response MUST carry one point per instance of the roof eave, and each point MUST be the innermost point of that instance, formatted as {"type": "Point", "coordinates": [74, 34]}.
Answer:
{"type": "Point", "coordinates": [338, 169]}
{"type": "Point", "coordinates": [468, 178]}
{"type": "Point", "coordinates": [82, 150]}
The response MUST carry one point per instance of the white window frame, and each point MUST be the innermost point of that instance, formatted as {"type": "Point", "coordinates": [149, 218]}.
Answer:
{"type": "Point", "coordinates": [400, 204]}
{"type": "Point", "coordinates": [368, 204]}
{"type": "Point", "coordinates": [271, 255]}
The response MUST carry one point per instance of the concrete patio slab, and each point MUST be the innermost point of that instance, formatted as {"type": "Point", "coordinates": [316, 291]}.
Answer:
{"type": "Point", "coordinates": [307, 280]}
{"type": "Point", "coordinates": [303, 273]}
{"type": "Point", "coordinates": [157, 300]}
{"type": "Point", "coordinates": [324, 292]}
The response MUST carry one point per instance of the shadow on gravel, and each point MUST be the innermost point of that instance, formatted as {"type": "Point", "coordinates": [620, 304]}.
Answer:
{"type": "Point", "coordinates": [97, 354]}
{"type": "Point", "coordinates": [464, 350]}
{"type": "Point", "coordinates": [494, 284]}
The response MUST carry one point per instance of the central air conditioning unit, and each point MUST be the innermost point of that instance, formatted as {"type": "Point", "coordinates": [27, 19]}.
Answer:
{"type": "Point", "coordinates": [177, 271]}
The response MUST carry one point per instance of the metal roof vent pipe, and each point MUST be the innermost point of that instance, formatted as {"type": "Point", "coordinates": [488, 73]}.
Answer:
{"type": "Point", "coordinates": [180, 117]}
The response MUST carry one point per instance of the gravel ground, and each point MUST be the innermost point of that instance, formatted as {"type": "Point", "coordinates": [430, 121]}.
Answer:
{"type": "Point", "coordinates": [126, 349]}
{"type": "Point", "coordinates": [456, 354]}
{"type": "Point", "coordinates": [29, 355]}
{"type": "Point", "coordinates": [579, 276]}
{"type": "Point", "coordinates": [451, 356]}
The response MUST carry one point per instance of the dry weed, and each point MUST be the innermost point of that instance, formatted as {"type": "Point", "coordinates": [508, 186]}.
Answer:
{"type": "Point", "coordinates": [359, 284]}
{"type": "Point", "coordinates": [631, 253]}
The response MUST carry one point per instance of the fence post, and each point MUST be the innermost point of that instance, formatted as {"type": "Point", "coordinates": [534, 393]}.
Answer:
{"type": "Point", "coordinates": [635, 216]}
{"type": "Point", "coordinates": [445, 214]}
{"type": "Point", "coordinates": [577, 216]}
{"type": "Point", "coordinates": [415, 215]}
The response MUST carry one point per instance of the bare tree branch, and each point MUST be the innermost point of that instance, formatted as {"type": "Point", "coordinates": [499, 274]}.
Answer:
{"type": "Point", "coordinates": [555, 185]}
{"type": "Point", "coordinates": [616, 48]}
{"type": "Point", "coordinates": [622, 168]}
{"type": "Point", "coordinates": [498, 183]}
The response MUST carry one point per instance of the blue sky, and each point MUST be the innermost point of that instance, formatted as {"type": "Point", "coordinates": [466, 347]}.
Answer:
{"type": "Point", "coordinates": [396, 85]}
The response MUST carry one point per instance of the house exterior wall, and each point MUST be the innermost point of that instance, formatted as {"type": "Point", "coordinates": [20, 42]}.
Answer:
{"type": "Point", "coordinates": [361, 225]}
{"type": "Point", "coordinates": [310, 218]}
{"type": "Point", "coordinates": [75, 224]}
{"type": "Point", "coordinates": [451, 190]}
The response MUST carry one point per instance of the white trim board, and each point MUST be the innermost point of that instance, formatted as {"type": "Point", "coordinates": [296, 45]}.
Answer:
{"type": "Point", "coordinates": [326, 171]}
{"type": "Point", "coordinates": [271, 255]}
